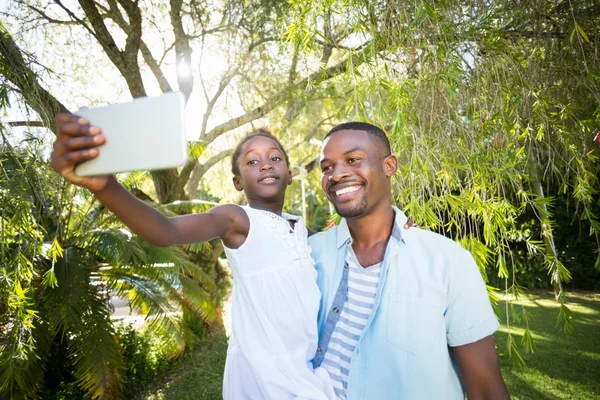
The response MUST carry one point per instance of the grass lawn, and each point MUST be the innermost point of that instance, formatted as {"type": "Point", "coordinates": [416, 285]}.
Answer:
{"type": "Point", "coordinates": [197, 375]}
{"type": "Point", "coordinates": [563, 366]}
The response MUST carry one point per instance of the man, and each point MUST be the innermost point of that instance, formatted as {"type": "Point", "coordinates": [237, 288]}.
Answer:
{"type": "Point", "coordinates": [404, 313]}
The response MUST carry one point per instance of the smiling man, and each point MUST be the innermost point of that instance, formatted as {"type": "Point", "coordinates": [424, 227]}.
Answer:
{"type": "Point", "coordinates": [404, 313]}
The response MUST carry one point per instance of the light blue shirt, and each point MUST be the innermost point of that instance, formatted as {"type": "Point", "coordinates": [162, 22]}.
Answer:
{"type": "Point", "coordinates": [430, 296]}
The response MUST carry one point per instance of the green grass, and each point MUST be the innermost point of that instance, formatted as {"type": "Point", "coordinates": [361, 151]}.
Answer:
{"type": "Point", "coordinates": [197, 375]}
{"type": "Point", "coordinates": [563, 366]}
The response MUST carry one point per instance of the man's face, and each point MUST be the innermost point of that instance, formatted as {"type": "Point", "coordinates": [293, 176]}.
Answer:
{"type": "Point", "coordinates": [356, 173]}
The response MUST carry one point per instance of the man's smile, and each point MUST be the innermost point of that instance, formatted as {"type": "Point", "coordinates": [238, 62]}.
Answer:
{"type": "Point", "coordinates": [348, 189]}
{"type": "Point", "coordinates": [345, 191]}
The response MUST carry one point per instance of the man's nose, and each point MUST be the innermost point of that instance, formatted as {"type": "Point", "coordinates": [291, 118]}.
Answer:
{"type": "Point", "coordinates": [339, 173]}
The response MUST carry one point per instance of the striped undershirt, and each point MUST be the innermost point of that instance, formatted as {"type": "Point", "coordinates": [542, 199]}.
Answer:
{"type": "Point", "coordinates": [362, 286]}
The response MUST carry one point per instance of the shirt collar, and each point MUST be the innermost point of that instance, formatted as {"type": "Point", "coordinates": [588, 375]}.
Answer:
{"type": "Point", "coordinates": [292, 217]}
{"type": "Point", "coordinates": [343, 233]}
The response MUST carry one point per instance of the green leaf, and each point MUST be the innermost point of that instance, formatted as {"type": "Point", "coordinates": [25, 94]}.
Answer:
{"type": "Point", "coordinates": [582, 33]}
{"type": "Point", "coordinates": [50, 279]}
{"type": "Point", "coordinates": [195, 149]}
{"type": "Point", "coordinates": [55, 251]}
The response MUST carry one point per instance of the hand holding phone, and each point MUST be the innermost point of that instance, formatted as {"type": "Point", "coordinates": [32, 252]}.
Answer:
{"type": "Point", "coordinates": [144, 134]}
{"type": "Point", "coordinates": [77, 141]}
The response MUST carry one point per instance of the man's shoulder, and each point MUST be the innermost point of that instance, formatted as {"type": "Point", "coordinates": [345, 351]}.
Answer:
{"type": "Point", "coordinates": [431, 242]}
{"type": "Point", "coordinates": [323, 238]}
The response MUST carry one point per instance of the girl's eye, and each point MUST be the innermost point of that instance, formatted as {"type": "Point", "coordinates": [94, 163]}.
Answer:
{"type": "Point", "coordinates": [251, 162]}
{"type": "Point", "coordinates": [275, 158]}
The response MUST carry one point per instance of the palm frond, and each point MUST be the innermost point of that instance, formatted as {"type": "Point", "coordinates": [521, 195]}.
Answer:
{"type": "Point", "coordinates": [197, 298]}
{"type": "Point", "coordinates": [74, 308]}
{"type": "Point", "coordinates": [187, 206]}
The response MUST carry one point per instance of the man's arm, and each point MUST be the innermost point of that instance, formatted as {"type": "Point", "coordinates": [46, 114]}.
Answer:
{"type": "Point", "coordinates": [480, 370]}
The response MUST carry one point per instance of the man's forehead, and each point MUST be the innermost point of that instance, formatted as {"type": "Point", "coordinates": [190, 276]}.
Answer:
{"type": "Point", "coordinates": [346, 141]}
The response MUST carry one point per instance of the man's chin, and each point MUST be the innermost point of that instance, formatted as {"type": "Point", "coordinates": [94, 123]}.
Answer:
{"type": "Point", "coordinates": [349, 212]}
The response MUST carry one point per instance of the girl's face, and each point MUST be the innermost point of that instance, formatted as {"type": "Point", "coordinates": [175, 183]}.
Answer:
{"type": "Point", "coordinates": [264, 174]}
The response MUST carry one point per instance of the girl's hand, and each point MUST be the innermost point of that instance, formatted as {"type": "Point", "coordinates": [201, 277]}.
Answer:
{"type": "Point", "coordinates": [77, 141]}
{"type": "Point", "coordinates": [410, 223]}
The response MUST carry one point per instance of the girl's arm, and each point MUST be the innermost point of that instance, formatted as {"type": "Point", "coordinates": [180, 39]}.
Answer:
{"type": "Point", "coordinates": [78, 141]}
{"type": "Point", "coordinates": [228, 222]}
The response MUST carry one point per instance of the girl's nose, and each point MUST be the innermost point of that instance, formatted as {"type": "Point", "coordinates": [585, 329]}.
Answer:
{"type": "Point", "coordinates": [266, 167]}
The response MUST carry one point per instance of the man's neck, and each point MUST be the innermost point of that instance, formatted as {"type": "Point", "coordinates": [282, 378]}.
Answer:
{"type": "Point", "coordinates": [371, 229]}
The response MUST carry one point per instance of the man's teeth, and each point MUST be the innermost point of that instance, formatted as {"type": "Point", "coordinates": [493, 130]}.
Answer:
{"type": "Point", "coordinates": [348, 189]}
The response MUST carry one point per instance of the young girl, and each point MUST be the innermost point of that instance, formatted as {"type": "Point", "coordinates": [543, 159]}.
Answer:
{"type": "Point", "coordinates": [275, 298]}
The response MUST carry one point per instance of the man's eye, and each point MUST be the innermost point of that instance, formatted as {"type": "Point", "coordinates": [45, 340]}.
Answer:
{"type": "Point", "coordinates": [353, 160]}
{"type": "Point", "coordinates": [325, 169]}
{"type": "Point", "coordinates": [251, 162]}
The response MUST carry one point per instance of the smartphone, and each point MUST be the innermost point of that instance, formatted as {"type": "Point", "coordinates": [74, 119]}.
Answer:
{"type": "Point", "coordinates": [144, 134]}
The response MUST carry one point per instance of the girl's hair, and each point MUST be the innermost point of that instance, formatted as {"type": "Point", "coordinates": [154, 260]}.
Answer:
{"type": "Point", "coordinates": [238, 149]}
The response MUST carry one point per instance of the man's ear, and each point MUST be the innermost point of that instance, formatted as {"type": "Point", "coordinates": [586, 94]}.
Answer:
{"type": "Point", "coordinates": [237, 184]}
{"type": "Point", "coordinates": [390, 163]}
{"type": "Point", "coordinates": [290, 176]}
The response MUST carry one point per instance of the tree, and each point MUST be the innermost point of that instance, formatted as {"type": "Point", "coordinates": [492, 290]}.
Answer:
{"type": "Point", "coordinates": [492, 109]}
{"type": "Point", "coordinates": [252, 30]}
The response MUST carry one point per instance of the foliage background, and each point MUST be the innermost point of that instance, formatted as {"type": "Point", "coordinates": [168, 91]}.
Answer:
{"type": "Point", "coordinates": [491, 107]}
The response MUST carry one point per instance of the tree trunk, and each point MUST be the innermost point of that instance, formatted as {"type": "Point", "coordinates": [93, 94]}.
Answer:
{"type": "Point", "coordinates": [16, 70]}
{"type": "Point", "coordinates": [165, 186]}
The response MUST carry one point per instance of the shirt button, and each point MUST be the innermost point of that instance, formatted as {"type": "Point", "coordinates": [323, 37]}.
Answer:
{"type": "Point", "coordinates": [319, 351]}
{"type": "Point", "coordinates": [336, 310]}
{"type": "Point", "coordinates": [346, 265]}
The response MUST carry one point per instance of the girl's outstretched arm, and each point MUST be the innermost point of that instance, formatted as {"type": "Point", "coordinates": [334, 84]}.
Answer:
{"type": "Point", "coordinates": [228, 222]}
{"type": "Point", "coordinates": [78, 141]}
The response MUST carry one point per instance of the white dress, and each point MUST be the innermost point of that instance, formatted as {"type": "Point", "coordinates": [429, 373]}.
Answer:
{"type": "Point", "coordinates": [274, 309]}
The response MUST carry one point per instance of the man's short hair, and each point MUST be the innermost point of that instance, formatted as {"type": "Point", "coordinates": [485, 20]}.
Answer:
{"type": "Point", "coordinates": [374, 132]}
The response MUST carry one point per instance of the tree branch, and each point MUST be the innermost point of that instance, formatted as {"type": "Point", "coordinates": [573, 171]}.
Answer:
{"type": "Point", "coordinates": [313, 79]}
{"type": "Point", "coordinates": [164, 84]}
{"type": "Point", "coordinates": [533, 34]}
{"type": "Point", "coordinates": [200, 169]}
{"type": "Point", "coordinates": [47, 17]}
{"type": "Point", "coordinates": [299, 102]}
{"type": "Point", "coordinates": [293, 68]}
{"type": "Point", "coordinates": [35, 124]}
{"type": "Point", "coordinates": [211, 104]}
{"type": "Point", "coordinates": [126, 62]}
{"type": "Point", "coordinates": [116, 16]}
{"type": "Point", "coordinates": [16, 71]}
{"type": "Point", "coordinates": [134, 35]}
{"type": "Point", "coordinates": [75, 18]}
{"type": "Point", "coordinates": [101, 33]}
{"type": "Point", "coordinates": [183, 52]}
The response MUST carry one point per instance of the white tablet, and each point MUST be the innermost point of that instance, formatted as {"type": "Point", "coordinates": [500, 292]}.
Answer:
{"type": "Point", "coordinates": [144, 134]}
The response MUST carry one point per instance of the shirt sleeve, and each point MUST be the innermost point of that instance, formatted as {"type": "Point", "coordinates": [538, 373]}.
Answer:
{"type": "Point", "coordinates": [469, 314]}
